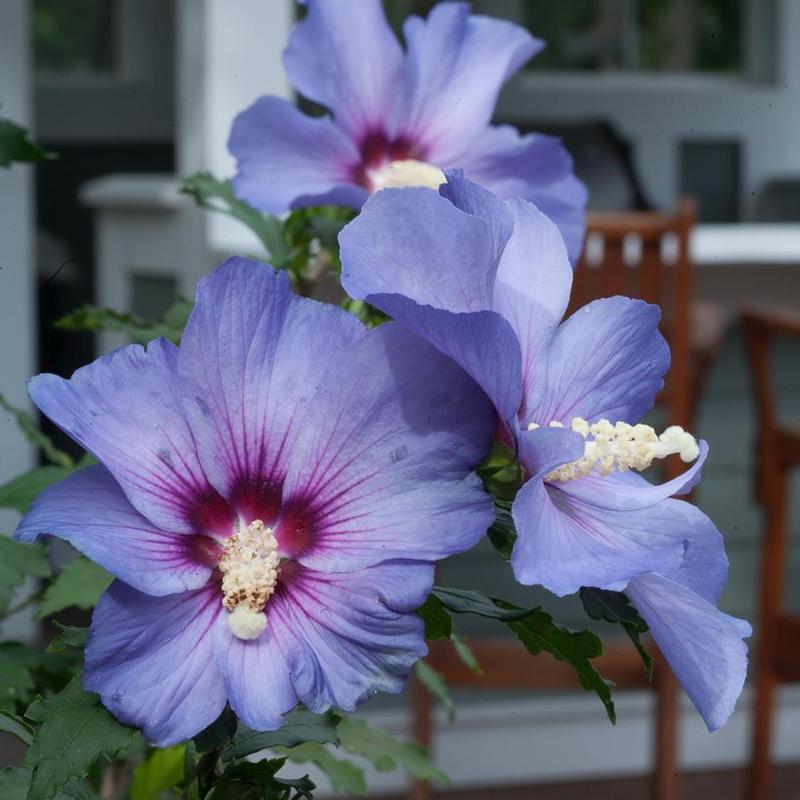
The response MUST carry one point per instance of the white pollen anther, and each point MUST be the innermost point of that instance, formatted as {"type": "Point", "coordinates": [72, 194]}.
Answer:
{"type": "Point", "coordinates": [249, 565]}
{"type": "Point", "coordinates": [397, 174]}
{"type": "Point", "coordinates": [622, 447]}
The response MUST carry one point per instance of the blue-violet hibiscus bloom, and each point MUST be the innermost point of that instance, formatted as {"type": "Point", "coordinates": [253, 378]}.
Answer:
{"type": "Point", "coordinates": [488, 282]}
{"type": "Point", "coordinates": [271, 498]}
{"type": "Point", "coordinates": [399, 116]}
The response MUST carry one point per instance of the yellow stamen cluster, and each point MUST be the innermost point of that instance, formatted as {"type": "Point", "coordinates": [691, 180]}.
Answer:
{"type": "Point", "coordinates": [249, 566]}
{"type": "Point", "coordinates": [397, 174]}
{"type": "Point", "coordinates": [622, 447]}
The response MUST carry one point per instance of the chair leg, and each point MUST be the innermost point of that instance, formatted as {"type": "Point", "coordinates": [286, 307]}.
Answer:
{"type": "Point", "coordinates": [775, 497]}
{"type": "Point", "coordinates": [760, 779]}
{"type": "Point", "coordinates": [421, 732]}
{"type": "Point", "coordinates": [666, 775]}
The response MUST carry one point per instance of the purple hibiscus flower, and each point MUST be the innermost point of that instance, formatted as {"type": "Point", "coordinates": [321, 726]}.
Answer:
{"type": "Point", "coordinates": [399, 116]}
{"type": "Point", "coordinates": [271, 498]}
{"type": "Point", "coordinates": [567, 394]}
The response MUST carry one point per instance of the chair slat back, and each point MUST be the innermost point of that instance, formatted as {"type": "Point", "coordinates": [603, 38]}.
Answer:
{"type": "Point", "coordinates": [646, 255]}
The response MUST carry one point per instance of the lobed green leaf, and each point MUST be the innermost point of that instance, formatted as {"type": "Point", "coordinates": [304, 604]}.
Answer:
{"type": "Point", "coordinates": [343, 774]}
{"type": "Point", "coordinates": [79, 584]}
{"type": "Point", "coordinates": [217, 195]}
{"type": "Point", "coordinates": [385, 752]}
{"type": "Point", "coordinates": [16, 145]}
{"type": "Point", "coordinates": [539, 633]}
{"type": "Point", "coordinates": [300, 726]}
{"type": "Point", "coordinates": [467, 601]}
{"type": "Point", "coordinates": [76, 731]}
{"type": "Point", "coordinates": [615, 607]}
{"type": "Point", "coordinates": [11, 723]}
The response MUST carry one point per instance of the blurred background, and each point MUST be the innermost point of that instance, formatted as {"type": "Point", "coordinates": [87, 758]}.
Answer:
{"type": "Point", "coordinates": [657, 100]}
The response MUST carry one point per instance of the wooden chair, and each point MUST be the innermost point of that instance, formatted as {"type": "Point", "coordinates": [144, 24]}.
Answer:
{"type": "Point", "coordinates": [626, 253]}
{"type": "Point", "coordinates": [777, 655]}
{"type": "Point", "coordinates": [646, 255]}
{"type": "Point", "coordinates": [506, 665]}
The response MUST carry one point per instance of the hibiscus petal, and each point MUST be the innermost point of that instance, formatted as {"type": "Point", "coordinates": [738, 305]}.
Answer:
{"type": "Point", "coordinates": [532, 287]}
{"type": "Point", "coordinates": [388, 259]}
{"type": "Point", "coordinates": [542, 450]}
{"type": "Point", "coordinates": [151, 661]}
{"type": "Point", "coordinates": [251, 357]}
{"type": "Point", "coordinates": [456, 65]}
{"type": "Point", "coordinates": [482, 343]}
{"type": "Point", "coordinates": [383, 466]}
{"type": "Point", "coordinates": [125, 408]}
{"type": "Point", "coordinates": [703, 646]}
{"type": "Point", "coordinates": [358, 631]}
{"type": "Point", "coordinates": [344, 55]}
{"type": "Point", "coordinates": [629, 491]}
{"type": "Point", "coordinates": [258, 676]}
{"type": "Point", "coordinates": [563, 544]}
{"type": "Point", "coordinates": [606, 361]}
{"type": "Point", "coordinates": [286, 159]}
{"type": "Point", "coordinates": [536, 168]}
{"type": "Point", "coordinates": [90, 511]}
{"type": "Point", "coordinates": [416, 243]}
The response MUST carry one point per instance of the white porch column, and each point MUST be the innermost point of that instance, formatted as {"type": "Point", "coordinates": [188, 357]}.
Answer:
{"type": "Point", "coordinates": [17, 273]}
{"type": "Point", "coordinates": [228, 55]}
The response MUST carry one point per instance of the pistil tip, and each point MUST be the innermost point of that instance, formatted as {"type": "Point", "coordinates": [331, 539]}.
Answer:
{"type": "Point", "coordinates": [246, 623]}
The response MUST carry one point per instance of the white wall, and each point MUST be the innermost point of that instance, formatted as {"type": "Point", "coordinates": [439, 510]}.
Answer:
{"type": "Point", "coordinates": [135, 103]}
{"type": "Point", "coordinates": [655, 112]}
{"type": "Point", "coordinates": [17, 309]}
{"type": "Point", "coordinates": [224, 62]}
{"type": "Point", "coordinates": [16, 256]}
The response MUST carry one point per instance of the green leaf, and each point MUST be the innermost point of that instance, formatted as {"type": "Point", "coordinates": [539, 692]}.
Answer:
{"type": "Point", "coordinates": [503, 532]}
{"type": "Point", "coordinates": [539, 633]}
{"type": "Point", "coordinates": [217, 195]}
{"type": "Point", "coordinates": [76, 731]}
{"type": "Point", "coordinates": [244, 780]}
{"type": "Point", "coordinates": [344, 775]}
{"type": "Point", "coordinates": [434, 682]}
{"type": "Point", "coordinates": [16, 145]}
{"type": "Point", "coordinates": [615, 607]}
{"type": "Point", "coordinates": [21, 491]}
{"type": "Point", "coordinates": [11, 723]}
{"type": "Point", "coordinates": [91, 319]}
{"type": "Point", "coordinates": [300, 726]}
{"type": "Point", "coordinates": [16, 781]}
{"type": "Point", "coordinates": [467, 601]}
{"type": "Point", "coordinates": [19, 560]}
{"type": "Point", "coordinates": [190, 785]}
{"type": "Point", "coordinates": [16, 681]}
{"type": "Point", "coordinates": [27, 559]}
{"type": "Point", "coordinates": [28, 426]}
{"type": "Point", "coordinates": [68, 636]}
{"type": "Point", "coordinates": [218, 733]}
{"type": "Point", "coordinates": [80, 584]}
{"type": "Point", "coordinates": [162, 770]}
{"type": "Point", "coordinates": [438, 623]}
{"type": "Point", "coordinates": [465, 653]}
{"type": "Point", "coordinates": [385, 752]}
{"type": "Point", "coordinates": [501, 472]}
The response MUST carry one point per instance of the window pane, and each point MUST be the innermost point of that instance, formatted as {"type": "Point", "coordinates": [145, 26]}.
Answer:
{"type": "Point", "coordinates": [609, 35]}
{"type": "Point", "coordinates": [74, 36]}
{"type": "Point", "coordinates": [659, 35]}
